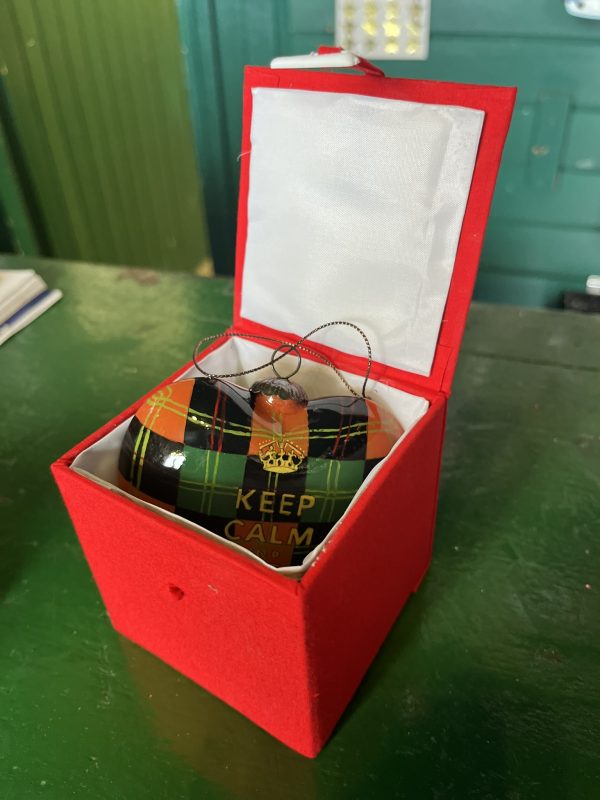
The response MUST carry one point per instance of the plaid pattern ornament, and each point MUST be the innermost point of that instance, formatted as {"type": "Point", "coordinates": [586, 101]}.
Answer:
{"type": "Point", "coordinates": [265, 468]}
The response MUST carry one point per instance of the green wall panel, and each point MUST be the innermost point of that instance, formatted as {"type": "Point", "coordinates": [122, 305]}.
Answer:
{"type": "Point", "coordinates": [219, 39]}
{"type": "Point", "coordinates": [99, 102]}
{"type": "Point", "coordinates": [17, 232]}
{"type": "Point", "coordinates": [582, 147]}
{"type": "Point", "coordinates": [519, 289]}
{"type": "Point", "coordinates": [543, 250]}
{"type": "Point", "coordinates": [573, 200]}
{"type": "Point", "coordinates": [545, 218]}
{"type": "Point", "coordinates": [535, 18]}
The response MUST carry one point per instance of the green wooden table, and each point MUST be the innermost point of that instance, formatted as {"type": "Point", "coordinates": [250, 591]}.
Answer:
{"type": "Point", "coordinates": [488, 685]}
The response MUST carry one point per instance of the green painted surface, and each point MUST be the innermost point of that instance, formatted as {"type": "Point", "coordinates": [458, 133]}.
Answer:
{"type": "Point", "coordinates": [219, 38]}
{"type": "Point", "coordinates": [488, 685]}
{"type": "Point", "coordinates": [549, 185]}
{"type": "Point", "coordinates": [99, 102]}
{"type": "Point", "coordinates": [17, 233]}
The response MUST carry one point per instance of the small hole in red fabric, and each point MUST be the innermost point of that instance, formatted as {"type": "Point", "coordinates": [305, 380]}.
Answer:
{"type": "Point", "coordinates": [176, 592]}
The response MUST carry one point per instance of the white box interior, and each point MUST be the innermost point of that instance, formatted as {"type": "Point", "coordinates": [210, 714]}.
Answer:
{"type": "Point", "coordinates": [99, 462]}
{"type": "Point", "coordinates": [355, 208]}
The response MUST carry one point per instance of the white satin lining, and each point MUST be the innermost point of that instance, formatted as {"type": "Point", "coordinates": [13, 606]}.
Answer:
{"type": "Point", "coordinates": [99, 462]}
{"type": "Point", "coordinates": [355, 209]}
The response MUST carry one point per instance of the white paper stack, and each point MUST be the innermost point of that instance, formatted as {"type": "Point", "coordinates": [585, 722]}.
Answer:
{"type": "Point", "coordinates": [24, 295]}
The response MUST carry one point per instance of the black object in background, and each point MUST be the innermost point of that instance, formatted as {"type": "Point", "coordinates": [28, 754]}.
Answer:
{"type": "Point", "coordinates": [580, 301]}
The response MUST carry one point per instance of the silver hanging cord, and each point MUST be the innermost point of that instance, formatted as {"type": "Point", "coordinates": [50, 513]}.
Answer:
{"type": "Point", "coordinates": [291, 346]}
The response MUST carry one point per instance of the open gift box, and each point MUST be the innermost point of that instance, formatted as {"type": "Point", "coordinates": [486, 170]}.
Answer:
{"type": "Point", "coordinates": [362, 198]}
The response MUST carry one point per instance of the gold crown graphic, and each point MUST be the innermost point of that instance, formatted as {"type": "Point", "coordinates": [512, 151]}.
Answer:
{"type": "Point", "coordinates": [280, 457]}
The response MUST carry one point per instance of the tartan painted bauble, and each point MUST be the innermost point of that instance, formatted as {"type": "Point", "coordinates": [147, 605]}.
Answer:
{"type": "Point", "coordinates": [265, 468]}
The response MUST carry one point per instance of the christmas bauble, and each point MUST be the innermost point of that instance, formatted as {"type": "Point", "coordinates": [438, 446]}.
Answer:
{"type": "Point", "coordinates": [265, 468]}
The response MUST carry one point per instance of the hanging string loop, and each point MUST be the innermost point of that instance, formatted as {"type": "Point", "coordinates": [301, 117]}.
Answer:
{"type": "Point", "coordinates": [296, 347]}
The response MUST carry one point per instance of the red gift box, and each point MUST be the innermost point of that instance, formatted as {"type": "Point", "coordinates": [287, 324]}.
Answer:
{"type": "Point", "coordinates": [338, 171]}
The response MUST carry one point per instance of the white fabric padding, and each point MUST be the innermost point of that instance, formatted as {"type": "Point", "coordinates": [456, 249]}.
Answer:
{"type": "Point", "coordinates": [99, 462]}
{"type": "Point", "coordinates": [355, 208]}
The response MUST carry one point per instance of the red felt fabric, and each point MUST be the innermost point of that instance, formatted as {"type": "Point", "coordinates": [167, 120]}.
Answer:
{"type": "Point", "coordinates": [289, 654]}
{"type": "Point", "coordinates": [363, 65]}
{"type": "Point", "coordinates": [368, 574]}
{"type": "Point", "coordinates": [227, 623]}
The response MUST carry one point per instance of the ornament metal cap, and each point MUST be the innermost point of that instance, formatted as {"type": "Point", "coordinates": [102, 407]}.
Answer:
{"type": "Point", "coordinates": [282, 388]}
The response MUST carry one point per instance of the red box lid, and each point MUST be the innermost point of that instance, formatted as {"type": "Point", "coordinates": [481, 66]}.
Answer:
{"type": "Point", "coordinates": [315, 195]}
